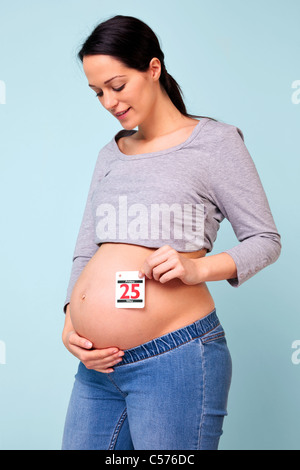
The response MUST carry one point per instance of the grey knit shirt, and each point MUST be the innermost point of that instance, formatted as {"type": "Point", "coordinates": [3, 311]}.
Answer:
{"type": "Point", "coordinates": [178, 197]}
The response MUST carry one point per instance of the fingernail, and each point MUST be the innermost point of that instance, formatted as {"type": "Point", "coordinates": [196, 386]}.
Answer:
{"type": "Point", "coordinates": [140, 274]}
{"type": "Point", "coordinates": [88, 344]}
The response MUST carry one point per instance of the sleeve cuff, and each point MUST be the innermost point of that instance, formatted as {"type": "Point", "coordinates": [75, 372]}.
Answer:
{"type": "Point", "coordinates": [242, 275]}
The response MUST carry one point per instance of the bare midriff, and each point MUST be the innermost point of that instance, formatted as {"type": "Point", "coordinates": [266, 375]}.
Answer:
{"type": "Point", "coordinates": [168, 306]}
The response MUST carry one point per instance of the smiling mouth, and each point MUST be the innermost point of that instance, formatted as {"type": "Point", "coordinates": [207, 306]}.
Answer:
{"type": "Point", "coordinates": [122, 113]}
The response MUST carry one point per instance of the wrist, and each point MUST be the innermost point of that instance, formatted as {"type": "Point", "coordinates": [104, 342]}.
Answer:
{"type": "Point", "coordinates": [216, 267]}
{"type": "Point", "coordinates": [202, 268]}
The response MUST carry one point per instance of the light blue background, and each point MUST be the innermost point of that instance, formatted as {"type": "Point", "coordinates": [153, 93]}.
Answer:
{"type": "Point", "coordinates": [235, 61]}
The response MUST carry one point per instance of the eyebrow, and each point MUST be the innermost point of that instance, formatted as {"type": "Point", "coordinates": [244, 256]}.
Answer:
{"type": "Point", "coordinates": [107, 81]}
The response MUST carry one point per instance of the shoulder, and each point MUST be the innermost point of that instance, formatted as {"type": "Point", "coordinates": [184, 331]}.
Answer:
{"type": "Point", "coordinates": [218, 132]}
{"type": "Point", "coordinates": [227, 153]}
{"type": "Point", "coordinates": [105, 155]}
{"type": "Point", "coordinates": [223, 143]}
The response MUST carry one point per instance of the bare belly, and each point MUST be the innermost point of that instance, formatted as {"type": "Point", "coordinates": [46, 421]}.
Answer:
{"type": "Point", "coordinates": [168, 306]}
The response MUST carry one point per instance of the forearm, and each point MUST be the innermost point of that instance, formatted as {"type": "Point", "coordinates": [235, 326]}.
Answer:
{"type": "Point", "coordinates": [216, 267]}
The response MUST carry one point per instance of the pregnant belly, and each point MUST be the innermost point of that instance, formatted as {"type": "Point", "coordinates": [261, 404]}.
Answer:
{"type": "Point", "coordinates": [167, 307]}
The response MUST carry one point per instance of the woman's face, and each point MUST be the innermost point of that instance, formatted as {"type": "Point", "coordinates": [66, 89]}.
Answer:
{"type": "Point", "coordinates": [120, 88]}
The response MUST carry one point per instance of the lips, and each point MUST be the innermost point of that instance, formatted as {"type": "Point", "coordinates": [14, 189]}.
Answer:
{"type": "Point", "coordinates": [121, 113]}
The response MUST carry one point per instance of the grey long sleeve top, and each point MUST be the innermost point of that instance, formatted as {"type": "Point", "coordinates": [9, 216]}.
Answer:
{"type": "Point", "coordinates": [179, 196]}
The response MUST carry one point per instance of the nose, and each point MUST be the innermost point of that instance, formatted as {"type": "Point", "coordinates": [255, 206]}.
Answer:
{"type": "Point", "coordinates": [109, 101]}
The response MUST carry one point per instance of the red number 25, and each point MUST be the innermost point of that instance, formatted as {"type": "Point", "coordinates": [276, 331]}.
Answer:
{"type": "Point", "coordinates": [134, 290]}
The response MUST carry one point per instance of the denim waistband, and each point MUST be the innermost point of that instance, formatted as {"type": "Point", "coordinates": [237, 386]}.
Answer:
{"type": "Point", "coordinates": [170, 340]}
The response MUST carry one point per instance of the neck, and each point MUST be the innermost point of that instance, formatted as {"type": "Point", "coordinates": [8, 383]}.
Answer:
{"type": "Point", "coordinates": [163, 119]}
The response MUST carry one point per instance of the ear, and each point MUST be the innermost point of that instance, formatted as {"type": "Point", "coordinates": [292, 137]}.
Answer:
{"type": "Point", "coordinates": [155, 68]}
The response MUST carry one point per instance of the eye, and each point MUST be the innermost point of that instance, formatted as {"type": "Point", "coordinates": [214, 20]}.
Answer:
{"type": "Point", "coordinates": [119, 89]}
{"type": "Point", "coordinates": [100, 94]}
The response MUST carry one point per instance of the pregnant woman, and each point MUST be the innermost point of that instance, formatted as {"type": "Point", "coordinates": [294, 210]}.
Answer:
{"type": "Point", "coordinates": [156, 375]}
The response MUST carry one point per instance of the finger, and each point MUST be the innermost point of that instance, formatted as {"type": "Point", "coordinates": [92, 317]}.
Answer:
{"type": "Point", "coordinates": [101, 365]}
{"type": "Point", "coordinates": [111, 358]}
{"type": "Point", "coordinates": [154, 260]}
{"type": "Point", "coordinates": [172, 274]}
{"type": "Point", "coordinates": [79, 341]}
{"type": "Point", "coordinates": [105, 371]}
{"type": "Point", "coordinates": [103, 356]}
{"type": "Point", "coordinates": [173, 270]}
{"type": "Point", "coordinates": [105, 364]}
{"type": "Point", "coordinates": [163, 268]}
{"type": "Point", "coordinates": [110, 353]}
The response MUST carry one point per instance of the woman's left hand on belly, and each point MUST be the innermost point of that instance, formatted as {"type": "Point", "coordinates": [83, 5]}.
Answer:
{"type": "Point", "coordinates": [166, 263]}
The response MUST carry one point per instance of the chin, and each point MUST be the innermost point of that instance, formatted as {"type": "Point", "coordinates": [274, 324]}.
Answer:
{"type": "Point", "coordinates": [128, 126]}
{"type": "Point", "coordinates": [133, 123]}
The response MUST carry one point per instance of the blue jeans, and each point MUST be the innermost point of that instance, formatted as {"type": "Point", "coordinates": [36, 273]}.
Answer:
{"type": "Point", "coordinates": [169, 393]}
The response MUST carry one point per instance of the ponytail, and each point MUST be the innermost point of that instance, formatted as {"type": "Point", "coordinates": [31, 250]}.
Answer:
{"type": "Point", "coordinates": [172, 89]}
{"type": "Point", "coordinates": [175, 93]}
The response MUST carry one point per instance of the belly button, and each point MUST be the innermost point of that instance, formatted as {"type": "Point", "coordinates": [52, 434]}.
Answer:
{"type": "Point", "coordinates": [83, 297]}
